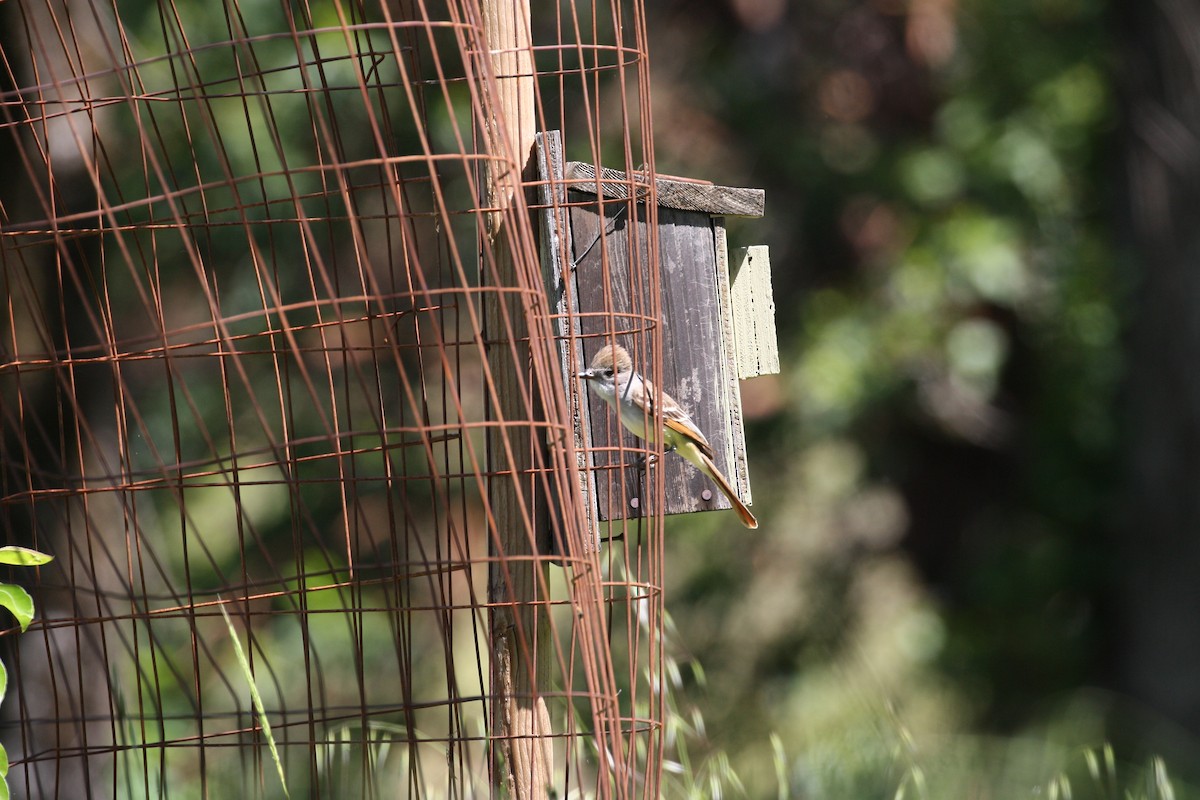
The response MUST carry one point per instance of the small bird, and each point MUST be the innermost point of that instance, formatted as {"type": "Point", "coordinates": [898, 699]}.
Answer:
{"type": "Point", "coordinates": [613, 378]}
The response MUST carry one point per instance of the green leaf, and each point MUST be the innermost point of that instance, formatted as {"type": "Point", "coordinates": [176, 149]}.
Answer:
{"type": "Point", "coordinates": [23, 557]}
{"type": "Point", "coordinates": [18, 601]}
{"type": "Point", "coordinates": [3, 767]}
{"type": "Point", "coordinates": [3, 687]}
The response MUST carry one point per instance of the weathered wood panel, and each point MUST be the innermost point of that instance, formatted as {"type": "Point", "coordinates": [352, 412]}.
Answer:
{"type": "Point", "coordinates": [724, 201]}
{"type": "Point", "coordinates": [754, 334]}
{"type": "Point", "coordinates": [616, 300]}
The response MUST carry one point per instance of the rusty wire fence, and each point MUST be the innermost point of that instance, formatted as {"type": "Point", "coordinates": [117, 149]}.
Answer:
{"type": "Point", "coordinates": [275, 340]}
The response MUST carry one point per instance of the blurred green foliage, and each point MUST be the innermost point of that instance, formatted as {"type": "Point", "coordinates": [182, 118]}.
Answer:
{"type": "Point", "coordinates": [920, 614]}
{"type": "Point", "coordinates": [936, 467]}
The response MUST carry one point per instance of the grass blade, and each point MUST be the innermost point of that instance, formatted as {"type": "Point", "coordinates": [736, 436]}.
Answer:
{"type": "Point", "coordinates": [255, 697]}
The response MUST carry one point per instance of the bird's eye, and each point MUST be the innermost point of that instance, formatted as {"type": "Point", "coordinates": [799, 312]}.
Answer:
{"type": "Point", "coordinates": [608, 372]}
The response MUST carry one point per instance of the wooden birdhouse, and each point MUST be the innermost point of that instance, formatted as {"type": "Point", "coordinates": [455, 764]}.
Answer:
{"type": "Point", "coordinates": [712, 307]}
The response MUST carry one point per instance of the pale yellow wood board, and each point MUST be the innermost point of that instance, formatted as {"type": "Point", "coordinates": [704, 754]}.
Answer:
{"type": "Point", "coordinates": [755, 341]}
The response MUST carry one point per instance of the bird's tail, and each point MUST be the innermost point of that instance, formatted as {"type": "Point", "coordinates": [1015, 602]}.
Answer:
{"type": "Point", "coordinates": [743, 513]}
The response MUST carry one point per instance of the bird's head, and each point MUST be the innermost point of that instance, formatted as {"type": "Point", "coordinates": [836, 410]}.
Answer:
{"type": "Point", "coordinates": [610, 361]}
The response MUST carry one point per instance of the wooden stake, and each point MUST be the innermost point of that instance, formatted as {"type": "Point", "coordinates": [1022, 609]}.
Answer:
{"type": "Point", "coordinates": [520, 645]}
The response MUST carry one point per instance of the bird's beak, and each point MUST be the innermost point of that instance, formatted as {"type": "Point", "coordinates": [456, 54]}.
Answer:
{"type": "Point", "coordinates": [587, 374]}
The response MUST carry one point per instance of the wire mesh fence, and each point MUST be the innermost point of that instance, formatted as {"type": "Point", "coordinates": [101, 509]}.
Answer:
{"type": "Point", "coordinates": [276, 342]}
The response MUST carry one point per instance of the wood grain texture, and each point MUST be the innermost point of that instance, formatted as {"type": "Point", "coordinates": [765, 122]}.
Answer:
{"type": "Point", "coordinates": [518, 626]}
{"type": "Point", "coordinates": [729, 201]}
{"type": "Point", "coordinates": [755, 339]}
{"type": "Point", "coordinates": [613, 276]}
{"type": "Point", "coordinates": [740, 476]}
{"type": "Point", "coordinates": [562, 291]}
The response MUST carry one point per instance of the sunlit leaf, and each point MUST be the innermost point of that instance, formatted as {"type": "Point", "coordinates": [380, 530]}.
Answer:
{"type": "Point", "coordinates": [23, 557]}
{"type": "Point", "coordinates": [17, 601]}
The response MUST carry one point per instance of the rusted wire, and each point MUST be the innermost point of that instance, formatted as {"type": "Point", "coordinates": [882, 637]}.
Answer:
{"type": "Point", "coordinates": [243, 366]}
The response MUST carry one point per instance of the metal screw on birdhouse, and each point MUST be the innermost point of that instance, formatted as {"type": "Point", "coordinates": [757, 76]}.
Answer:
{"type": "Point", "coordinates": [707, 495]}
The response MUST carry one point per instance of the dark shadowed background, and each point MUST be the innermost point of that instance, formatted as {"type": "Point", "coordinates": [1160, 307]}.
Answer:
{"type": "Point", "coordinates": [978, 473]}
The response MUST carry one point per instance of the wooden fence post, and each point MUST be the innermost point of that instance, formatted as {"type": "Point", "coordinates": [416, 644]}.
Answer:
{"type": "Point", "coordinates": [519, 629]}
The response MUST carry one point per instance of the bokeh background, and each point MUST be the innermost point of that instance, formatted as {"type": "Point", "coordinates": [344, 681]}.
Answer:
{"type": "Point", "coordinates": [977, 472]}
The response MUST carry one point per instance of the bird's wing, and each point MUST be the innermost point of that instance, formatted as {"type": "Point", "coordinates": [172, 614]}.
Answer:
{"type": "Point", "coordinates": [675, 418]}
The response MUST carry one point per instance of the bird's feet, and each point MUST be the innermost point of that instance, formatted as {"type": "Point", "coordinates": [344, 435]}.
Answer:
{"type": "Point", "coordinates": [646, 460]}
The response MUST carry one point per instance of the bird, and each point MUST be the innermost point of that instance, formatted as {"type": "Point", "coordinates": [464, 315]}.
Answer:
{"type": "Point", "coordinates": [613, 378]}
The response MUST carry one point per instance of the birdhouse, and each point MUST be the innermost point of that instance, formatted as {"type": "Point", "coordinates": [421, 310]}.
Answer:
{"type": "Point", "coordinates": [711, 306]}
